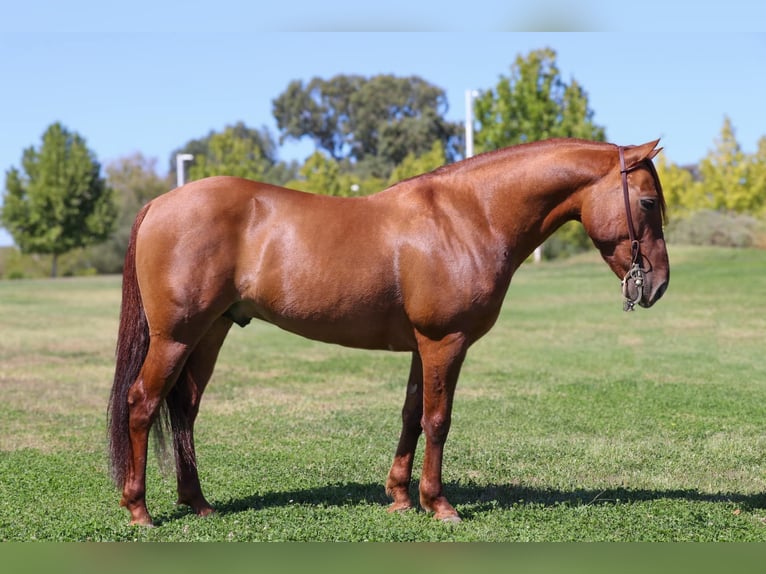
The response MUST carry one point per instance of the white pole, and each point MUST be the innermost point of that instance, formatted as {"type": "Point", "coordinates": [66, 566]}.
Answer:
{"type": "Point", "coordinates": [180, 175]}
{"type": "Point", "coordinates": [469, 96]}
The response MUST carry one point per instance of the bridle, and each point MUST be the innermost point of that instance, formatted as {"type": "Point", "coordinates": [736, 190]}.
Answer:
{"type": "Point", "coordinates": [636, 273]}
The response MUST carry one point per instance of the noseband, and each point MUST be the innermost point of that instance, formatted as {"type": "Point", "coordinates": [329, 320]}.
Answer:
{"type": "Point", "coordinates": [636, 273]}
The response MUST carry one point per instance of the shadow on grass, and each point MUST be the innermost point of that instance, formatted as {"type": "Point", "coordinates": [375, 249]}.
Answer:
{"type": "Point", "coordinates": [476, 499]}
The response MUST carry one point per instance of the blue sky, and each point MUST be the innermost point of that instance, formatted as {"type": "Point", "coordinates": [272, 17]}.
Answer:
{"type": "Point", "coordinates": [149, 76]}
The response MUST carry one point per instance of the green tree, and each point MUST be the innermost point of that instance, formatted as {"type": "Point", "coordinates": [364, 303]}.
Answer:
{"type": "Point", "coordinates": [532, 104]}
{"type": "Point", "coordinates": [238, 150]}
{"type": "Point", "coordinates": [415, 165]}
{"type": "Point", "coordinates": [321, 174]}
{"type": "Point", "coordinates": [683, 194]}
{"type": "Point", "coordinates": [231, 152]}
{"type": "Point", "coordinates": [135, 181]}
{"type": "Point", "coordinates": [58, 201]}
{"type": "Point", "coordinates": [731, 179]}
{"type": "Point", "coordinates": [369, 124]}
{"type": "Point", "coordinates": [319, 110]}
{"type": "Point", "coordinates": [759, 175]}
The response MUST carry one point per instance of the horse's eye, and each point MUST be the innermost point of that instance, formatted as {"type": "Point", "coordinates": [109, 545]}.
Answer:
{"type": "Point", "coordinates": [648, 203]}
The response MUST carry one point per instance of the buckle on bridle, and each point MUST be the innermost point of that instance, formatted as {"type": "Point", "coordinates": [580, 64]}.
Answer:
{"type": "Point", "coordinates": [637, 275]}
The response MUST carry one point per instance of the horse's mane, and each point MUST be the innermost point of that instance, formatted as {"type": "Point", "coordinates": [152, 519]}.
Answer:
{"type": "Point", "coordinates": [492, 155]}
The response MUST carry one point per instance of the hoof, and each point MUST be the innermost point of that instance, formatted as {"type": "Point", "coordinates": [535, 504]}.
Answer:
{"type": "Point", "coordinates": [143, 522]}
{"type": "Point", "coordinates": [449, 519]}
{"type": "Point", "coordinates": [399, 507]}
{"type": "Point", "coordinates": [199, 507]}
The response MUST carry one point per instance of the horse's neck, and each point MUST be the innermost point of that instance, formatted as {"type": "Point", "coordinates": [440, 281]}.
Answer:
{"type": "Point", "coordinates": [531, 193]}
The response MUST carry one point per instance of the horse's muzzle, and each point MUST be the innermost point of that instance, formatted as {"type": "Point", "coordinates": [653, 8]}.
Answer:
{"type": "Point", "coordinates": [638, 288]}
{"type": "Point", "coordinates": [656, 295]}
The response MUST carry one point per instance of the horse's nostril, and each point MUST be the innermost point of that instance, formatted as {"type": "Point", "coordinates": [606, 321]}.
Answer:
{"type": "Point", "coordinates": [660, 291]}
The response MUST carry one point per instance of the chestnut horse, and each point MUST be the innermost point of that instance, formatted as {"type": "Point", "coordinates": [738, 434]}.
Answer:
{"type": "Point", "coordinates": [422, 266]}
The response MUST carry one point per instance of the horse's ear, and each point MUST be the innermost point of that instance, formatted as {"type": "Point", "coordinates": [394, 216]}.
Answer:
{"type": "Point", "coordinates": [638, 153]}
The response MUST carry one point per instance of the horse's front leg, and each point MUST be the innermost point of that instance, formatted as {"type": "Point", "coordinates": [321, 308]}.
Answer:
{"type": "Point", "coordinates": [441, 367]}
{"type": "Point", "coordinates": [398, 482]}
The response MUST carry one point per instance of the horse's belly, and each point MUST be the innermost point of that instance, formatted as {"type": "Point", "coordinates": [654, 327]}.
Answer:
{"type": "Point", "coordinates": [363, 328]}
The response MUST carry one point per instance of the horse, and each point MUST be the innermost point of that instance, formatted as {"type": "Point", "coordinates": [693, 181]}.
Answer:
{"type": "Point", "coordinates": [420, 267]}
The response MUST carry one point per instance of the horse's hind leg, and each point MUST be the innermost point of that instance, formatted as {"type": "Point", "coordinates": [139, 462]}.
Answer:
{"type": "Point", "coordinates": [183, 401]}
{"type": "Point", "coordinates": [398, 481]}
{"type": "Point", "coordinates": [159, 372]}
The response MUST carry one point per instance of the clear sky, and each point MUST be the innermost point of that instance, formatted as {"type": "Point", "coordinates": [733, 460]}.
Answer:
{"type": "Point", "coordinates": [149, 76]}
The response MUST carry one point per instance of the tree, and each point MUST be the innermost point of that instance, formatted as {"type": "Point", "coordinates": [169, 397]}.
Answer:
{"type": "Point", "coordinates": [532, 104]}
{"type": "Point", "coordinates": [135, 181]}
{"type": "Point", "coordinates": [321, 175]}
{"type": "Point", "coordinates": [759, 174]}
{"type": "Point", "coordinates": [730, 179]}
{"type": "Point", "coordinates": [367, 124]}
{"type": "Point", "coordinates": [682, 193]}
{"type": "Point", "coordinates": [319, 110]}
{"type": "Point", "coordinates": [416, 165]}
{"type": "Point", "coordinates": [239, 151]}
{"type": "Point", "coordinates": [57, 201]}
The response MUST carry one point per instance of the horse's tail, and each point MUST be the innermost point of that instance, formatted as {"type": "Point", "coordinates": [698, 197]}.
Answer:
{"type": "Point", "coordinates": [132, 347]}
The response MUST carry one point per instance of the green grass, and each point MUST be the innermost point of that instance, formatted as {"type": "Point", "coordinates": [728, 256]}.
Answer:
{"type": "Point", "coordinates": [573, 421]}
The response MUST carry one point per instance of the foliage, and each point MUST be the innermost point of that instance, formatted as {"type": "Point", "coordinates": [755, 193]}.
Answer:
{"type": "Point", "coordinates": [135, 182]}
{"type": "Point", "coordinates": [58, 201]}
{"type": "Point", "coordinates": [324, 175]}
{"type": "Point", "coordinates": [17, 265]}
{"type": "Point", "coordinates": [727, 179]}
{"type": "Point", "coordinates": [731, 180]}
{"type": "Point", "coordinates": [720, 202]}
{"type": "Point", "coordinates": [758, 176]}
{"type": "Point", "coordinates": [682, 192]}
{"type": "Point", "coordinates": [239, 151]}
{"type": "Point", "coordinates": [724, 229]}
{"type": "Point", "coordinates": [572, 421]}
{"type": "Point", "coordinates": [231, 153]}
{"type": "Point", "coordinates": [321, 174]}
{"type": "Point", "coordinates": [413, 165]}
{"type": "Point", "coordinates": [373, 123]}
{"type": "Point", "coordinates": [532, 104]}
{"type": "Point", "coordinates": [569, 239]}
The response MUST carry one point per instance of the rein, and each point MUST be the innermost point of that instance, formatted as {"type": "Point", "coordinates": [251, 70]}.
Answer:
{"type": "Point", "coordinates": [636, 273]}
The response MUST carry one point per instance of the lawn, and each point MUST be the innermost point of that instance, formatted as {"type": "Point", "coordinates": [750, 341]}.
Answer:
{"type": "Point", "coordinates": [573, 421]}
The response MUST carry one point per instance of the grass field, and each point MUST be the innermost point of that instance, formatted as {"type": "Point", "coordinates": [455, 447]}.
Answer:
{"type": "Point", "coordinates": [573, 421]}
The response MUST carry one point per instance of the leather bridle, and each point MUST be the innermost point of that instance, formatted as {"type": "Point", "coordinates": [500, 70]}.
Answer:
{"type": "Point", "coordinates": [636, 273]}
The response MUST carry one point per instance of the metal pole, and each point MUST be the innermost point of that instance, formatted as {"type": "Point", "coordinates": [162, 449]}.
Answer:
{"type": "Point", "coordinates": [180, 175]}
{"type": "Point", "coordinates": [469, 96]}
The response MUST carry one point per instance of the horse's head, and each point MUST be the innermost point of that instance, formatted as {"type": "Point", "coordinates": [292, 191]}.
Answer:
{"type": "Point", "coordinates": [623, 214]}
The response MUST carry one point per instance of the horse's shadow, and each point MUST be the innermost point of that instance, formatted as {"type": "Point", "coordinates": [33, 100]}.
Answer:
{"type": "Point", "coordinates": [476, 499]}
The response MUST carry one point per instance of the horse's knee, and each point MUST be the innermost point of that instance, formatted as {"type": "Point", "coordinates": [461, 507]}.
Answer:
{"type": "Point", "coordinates": [142, 408]}
{"type": "Point", "coordinates": [436, 427]}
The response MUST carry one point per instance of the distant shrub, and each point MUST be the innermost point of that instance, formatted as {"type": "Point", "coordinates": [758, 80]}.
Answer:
{"type": "Point", "coordinates": [570, 239]}
{"type": "Point", "coordinates": [17, 265]}
{"type": "Point", "coordinates": [709, 227]}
